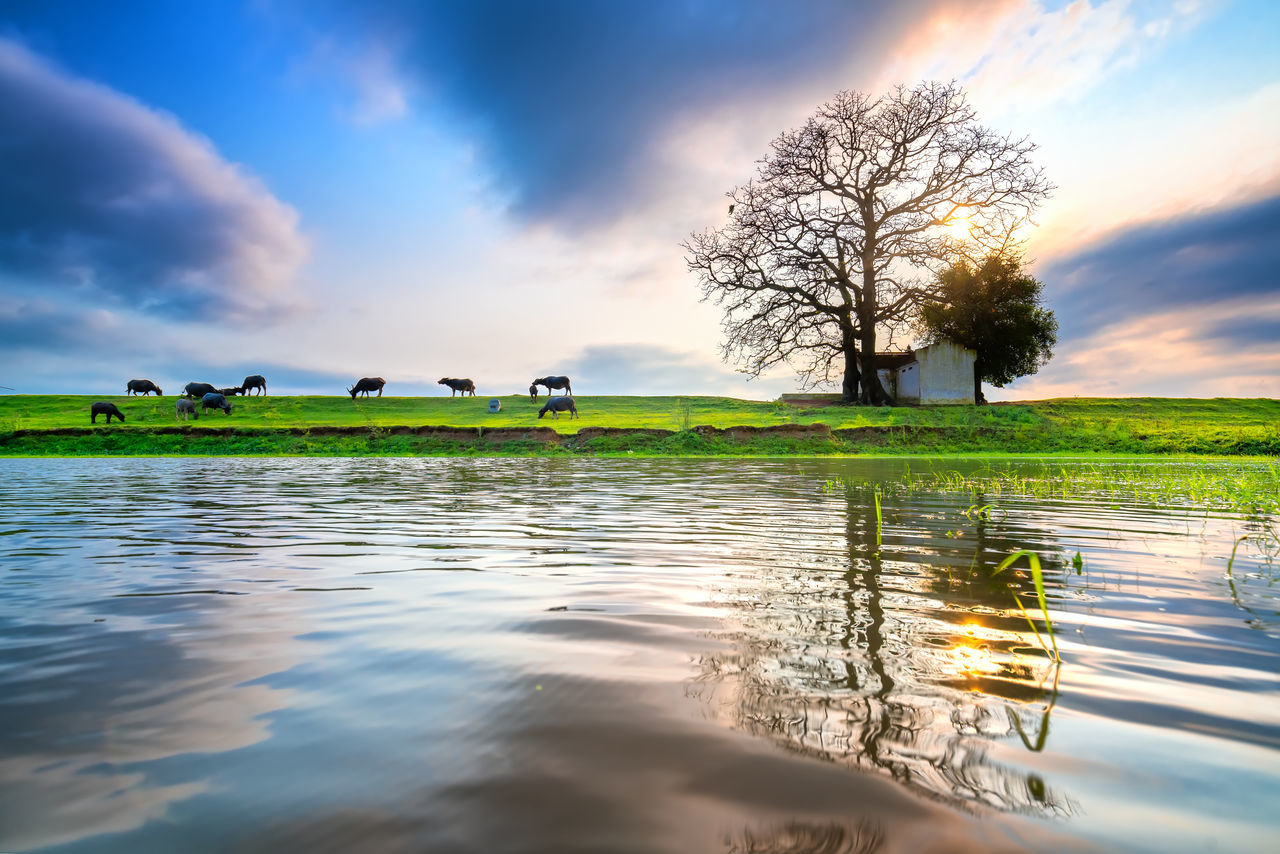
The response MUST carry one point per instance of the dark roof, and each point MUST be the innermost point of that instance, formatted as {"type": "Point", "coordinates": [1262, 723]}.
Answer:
{"type": "Point", "coordinates": [894, 360]}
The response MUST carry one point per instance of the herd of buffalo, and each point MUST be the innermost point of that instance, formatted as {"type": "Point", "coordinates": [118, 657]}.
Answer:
{"type": "Point", "coordinates": [212, 397]}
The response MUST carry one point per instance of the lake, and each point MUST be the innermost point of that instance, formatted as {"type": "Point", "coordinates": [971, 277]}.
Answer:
{"type": "Point", "coordinates": [650, 655]}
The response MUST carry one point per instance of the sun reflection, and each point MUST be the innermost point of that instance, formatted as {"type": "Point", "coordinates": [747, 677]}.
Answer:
{"type": "Point", "coordinates": [973, 654]}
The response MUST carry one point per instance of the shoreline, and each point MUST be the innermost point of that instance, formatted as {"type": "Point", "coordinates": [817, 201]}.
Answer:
{"type": "Point", "coordinates": [785, 440]}
{"type": "Point", "coordinates": [57, 426]}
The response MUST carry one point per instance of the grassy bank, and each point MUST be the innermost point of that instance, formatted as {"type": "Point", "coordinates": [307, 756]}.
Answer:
{"type": "Point", "coordinates": [58, 425]}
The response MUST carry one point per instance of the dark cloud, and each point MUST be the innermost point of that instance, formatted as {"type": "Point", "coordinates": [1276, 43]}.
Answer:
{"type": "Point", "coordinates": [104, 198]}
{"type": "Point", "coordinates": [1200, 260]}
{"type": "Point", "coordinates": [567, 96]}
{"type": "Point", "coordinates": [46, 327]}
{"type": "Point", "coordinates": [52, 347]}
{"type": "Point", "coordinates": [1244, 332]}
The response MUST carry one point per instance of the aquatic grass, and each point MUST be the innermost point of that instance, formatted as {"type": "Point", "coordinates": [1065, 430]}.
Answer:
{"type": "Point", "coordinates": [1253, 490]}
{"type": "Point", "coordinates": [1042, 736]}
{"type": "Point", "coordinates": [1037, 578]}
{"type": "Point", "coordinates": [879, 519]}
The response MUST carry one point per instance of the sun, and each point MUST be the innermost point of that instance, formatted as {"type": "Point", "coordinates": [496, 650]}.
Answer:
{"type": "Point", "coordinates": [960, 227]}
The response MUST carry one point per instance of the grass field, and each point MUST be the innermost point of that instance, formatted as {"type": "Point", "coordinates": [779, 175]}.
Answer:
{"type": "Point", "coordinates": [341, 426]}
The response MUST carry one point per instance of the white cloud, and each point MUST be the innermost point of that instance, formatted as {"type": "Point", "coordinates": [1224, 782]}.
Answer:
{"type": "Point", "coordinates": [1021, 53]}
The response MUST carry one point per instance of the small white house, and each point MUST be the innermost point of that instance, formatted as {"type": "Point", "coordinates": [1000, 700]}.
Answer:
{"type": "Point", "coordinates": [941, 373]}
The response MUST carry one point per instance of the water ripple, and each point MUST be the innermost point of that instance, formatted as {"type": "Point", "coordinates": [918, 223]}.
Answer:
{"type": "Point", "coordinates": [480, 630]}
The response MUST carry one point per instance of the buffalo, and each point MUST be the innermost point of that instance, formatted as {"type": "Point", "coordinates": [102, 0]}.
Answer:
{"type": "Point", "coordinates": [456, 386]}
{"type": "Point", "coordinates": [254, 381]}
{"type": "Point", "coordinates": [230, 392]}
{"type": "Point", "coordinates": [107, 409]}
{"type": "Point", "coordinates": [215, 400]}
{"type": "Point", "coordinates": [556, 405]}
{"type": "Point", "coordinates": [143, 387]}
{"type": "Point", "coordinates": [533, 394]}
{"type": "Point", "coordinates": [185, 409]}
{"type": "Point", "coordinates": [554, 383]}
{"type": "Point", "coordinates": [194, 390]}
{"type": "Point", "coordinates": [366, 385]}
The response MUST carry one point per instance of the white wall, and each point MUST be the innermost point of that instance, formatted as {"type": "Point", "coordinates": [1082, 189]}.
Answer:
{"type": "Point", "coordinates": [909, 383]}
{"type": "Point", "coordinates": [946, 373]}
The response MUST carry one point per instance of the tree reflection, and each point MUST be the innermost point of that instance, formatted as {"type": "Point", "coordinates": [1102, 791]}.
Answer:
{"type": "Point", "coordinates": [909, 662]}
{"type": "Point", "coordinates": [797, 838]}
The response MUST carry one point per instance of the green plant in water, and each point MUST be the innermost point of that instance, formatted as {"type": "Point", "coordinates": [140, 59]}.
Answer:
{"type": "Point", "coordinates": [879, 520]}
{"type": "Point", "coordinates": [1037, 578]}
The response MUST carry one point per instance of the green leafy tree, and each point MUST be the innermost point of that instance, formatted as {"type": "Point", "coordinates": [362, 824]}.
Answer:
{"type": "Point", "coordinates": [994, 309]}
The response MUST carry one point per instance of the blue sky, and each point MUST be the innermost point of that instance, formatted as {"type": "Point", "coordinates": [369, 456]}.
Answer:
{"type": "Point", "coordinates": [324, 190]}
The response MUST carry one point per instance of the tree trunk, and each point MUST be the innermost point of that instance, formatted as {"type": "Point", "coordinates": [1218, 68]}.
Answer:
{"type": "Point", "coordinates": [977, 383]}
{"type": "Point", "coordinates": [872, 391]}
{"type": "Point", "coordinates": [849, 342]}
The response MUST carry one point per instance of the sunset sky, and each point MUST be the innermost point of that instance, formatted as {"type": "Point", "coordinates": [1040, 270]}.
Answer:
{"type": "Point", "coordinates": [318, 191]}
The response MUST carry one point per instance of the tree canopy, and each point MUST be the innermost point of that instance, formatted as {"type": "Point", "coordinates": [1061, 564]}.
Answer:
{"type": "Point", "coordinates": [826, 246]}
{"type": "Point", "coordinates": [995, 309]}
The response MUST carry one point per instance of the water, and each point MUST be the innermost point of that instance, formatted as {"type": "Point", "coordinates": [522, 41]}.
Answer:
{"type": "Point", "coordinates": [618, 656]}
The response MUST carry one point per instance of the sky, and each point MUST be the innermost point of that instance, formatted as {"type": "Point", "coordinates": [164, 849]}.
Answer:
{"type": "Point", "coordinates": [323, 190]}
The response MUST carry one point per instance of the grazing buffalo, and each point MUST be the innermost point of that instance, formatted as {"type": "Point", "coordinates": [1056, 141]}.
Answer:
{"type": "Point", "coordinates": [556, 405]}
{"type": "Point", "coordinates": [194, 390]}
{"type": "Point", "coordinates": [185, 409]}
{"type": "Point", "coordinates": [366, 385]}
{"type": "Point", "coordinates": [533, 394]}
{"type": "Point", "coordinates": [143, 387]}
{"type": "Point", "coordinates": [456, 386]}
{"type": "Point", "coordinates": [252, 382]}
{"type": "Point", "coordinates": [107, 409]}
{"type": "Point", "coordinates": [230, 392]}
{"type": "Point", "coordinates": [214, 400]}
{"type": "Point", "coordinates": [554, 383]}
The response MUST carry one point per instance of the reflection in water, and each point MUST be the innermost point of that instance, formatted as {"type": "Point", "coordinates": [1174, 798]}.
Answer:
{"type": "Point", "coordinates": [599, 656]}
{"type": "Point", "coordinates": [797, 838]}
{"type": "Point", "coordinates": [889, 668]}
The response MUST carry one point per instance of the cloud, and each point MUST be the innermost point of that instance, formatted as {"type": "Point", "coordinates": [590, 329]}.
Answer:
{"type": "Point", "coordinates": [568, 102]}
{"type": "Point", "coordinates": [40, 325]}
{"type": "Point", "coordinates": [50, 347]}
{"type": "Point", "coordinates": [646, 369]}
{"type": "Point", "coordinates": [1200, 259]}
{"type": "Point", "coordinates": [1188, 306]}
{"type": "Point", "coordinates": [1018, 52]}
{"type": "Point", "coordinates": [1166, 353]}
{"type": "Point", "coordinates": [106, 199]}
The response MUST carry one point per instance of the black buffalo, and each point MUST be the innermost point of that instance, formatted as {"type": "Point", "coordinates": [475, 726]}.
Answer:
{"type": "Point", "coordinates": [230, 392]}
{"type": "Point", "coordinates": [533, 394]}
{"type": "Point", "coordinates": [143, 387]}
{"type": "Point", "coordinates": [215, 400]}
{"type": "Point", "coordinates": [456, 386]}
{"type": "Point", "coordinates": [253, 381]}
{"type": "Point", "coordinates": [554, 383]}
{"type": "Point", "coordinates": [107, 409]}
{"type": "Point", "coordinates": [194, 390]}
{"type": "Point", "coordinates": [366, 385]}
{"type": "Point", "coordinates": [556, 405]}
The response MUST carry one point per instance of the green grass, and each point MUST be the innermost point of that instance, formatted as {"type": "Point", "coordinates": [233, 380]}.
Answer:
{"type": "Point", "coordinates": [1253, 490]}
{"type": "Point", "coordinates": [337, 425]}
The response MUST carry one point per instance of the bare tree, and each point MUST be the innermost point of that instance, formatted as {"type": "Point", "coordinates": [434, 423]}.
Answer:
{"type": "Point", "coordinates": [829, 244]}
